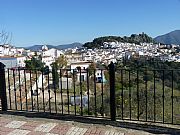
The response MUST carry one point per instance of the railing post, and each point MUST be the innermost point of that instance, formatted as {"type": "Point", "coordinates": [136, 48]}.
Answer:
{"type": "Point", "coordinates": [3, 87]}
{"type": "Point", "coordinates": [112, 91]}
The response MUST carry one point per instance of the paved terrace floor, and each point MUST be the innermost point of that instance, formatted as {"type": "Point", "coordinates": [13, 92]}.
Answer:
{"type": "Point", "coordinates": [41, 124]}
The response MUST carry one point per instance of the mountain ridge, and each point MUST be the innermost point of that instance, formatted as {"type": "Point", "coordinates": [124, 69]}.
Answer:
{"type": "Point", "coordinates": [59, 47]}
{"type": "Point", "coordinates": [172, 37]}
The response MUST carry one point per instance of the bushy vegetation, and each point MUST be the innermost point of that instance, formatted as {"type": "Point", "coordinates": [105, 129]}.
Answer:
{"type": "Point", "coordinates": [134, 38]}
{"type": "Point", "coordinates": [146, 87]}
{"type": "Point", "coordinates": [34, 63]}
{"type": "Point", "coordinates": [59, 63]}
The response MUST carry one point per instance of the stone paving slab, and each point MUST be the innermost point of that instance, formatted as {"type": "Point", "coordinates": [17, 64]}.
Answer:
{"type": "Point", "coordinates": [29, 126]}
{"type": "Point", "coordinates": [33, 126]}
{"type": "Point", "coordinates": [45, 127]}
{"type": "Point", "coordinates": [24, 127]}
{"type": "Point", "coordinates": [60, 129]}
{"type": "Point", "coordinates": [95, 130]}
{"type": "Point", "coordinates": [113, 133]}
{"type": "Point", "coordinates": [4, 130]}
{"type": "Point", "coordinates": [19, 132]}
{"type": "Point", "coordinates": [4, 121]}
{"type": "Point", "coordinates": [76, 131]}
{"type": "Point", "coordinates": [15, 124]}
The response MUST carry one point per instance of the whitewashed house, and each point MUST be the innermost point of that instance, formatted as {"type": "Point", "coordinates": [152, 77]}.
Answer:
{"type": "Point", "coordinates": [100, 77]}
{"type": "Point", "coordinates": [52, 52]}
{"type": "Point", "coordinates": [4, 50]}
{"type": "Point", "coordinates": [50, 55]}
{"type": "Point", "coordinates": [29, 53]}
{"type": "Point", "coordinates": [88, 56]}
{"type": "Point", "coordinates": [81, 76]}
{"type": "Point", "coordinates": [74, 57]}
{"type": "Point", "coordinates": [48, 60]}
{"type": "Point", "coordinates": [80, 68]}
{"type": "Point", "coordinates": [83, 65]}
{"type": "Point", "coordinates": [20, 51]}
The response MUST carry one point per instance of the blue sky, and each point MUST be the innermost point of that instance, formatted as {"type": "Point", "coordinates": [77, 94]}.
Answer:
{"type": "Point", "coordinates": [66, 21]}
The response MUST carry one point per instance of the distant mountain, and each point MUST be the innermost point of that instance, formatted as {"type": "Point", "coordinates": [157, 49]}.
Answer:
{"type": "Point", "coordinates": [169, 38]}
{"type": "Point", "coordinates": [73, 45]}
{"type": "Point", "coordinates": [60, 47]}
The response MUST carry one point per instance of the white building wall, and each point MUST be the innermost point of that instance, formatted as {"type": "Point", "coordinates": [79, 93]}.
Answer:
{"type": "Point", "coordinates": [53, 53]}
{"type": "Point", "coordinates": [21, 61]}
{"type": "Point", "coordinates": [83, 66]}
{"type": "Point", "coordinates": [83, 76]}
{"type": "Point", "coordinates": [48, 61]}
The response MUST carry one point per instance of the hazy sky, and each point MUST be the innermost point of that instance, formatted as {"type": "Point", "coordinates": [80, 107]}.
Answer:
{"type": "Point", "coordinates": [66, 21]}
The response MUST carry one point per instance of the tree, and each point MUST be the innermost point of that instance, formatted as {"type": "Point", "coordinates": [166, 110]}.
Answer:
{"type": "Point", "coordinates": [61, 62]}
{"type": "Point", "coordinates": [55, 75]}
{"type": "Point", "coordinates": [91, 68]}
{"type": "Point", "coordinates": [34, 64]}
{"type": "Point", "coordinates": [5, 37]}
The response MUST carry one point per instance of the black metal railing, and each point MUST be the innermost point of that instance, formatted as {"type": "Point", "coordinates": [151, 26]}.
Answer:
{"type": "Point", "coordinates": [148, 95]}
{"type": "Point", "coordinates": [75, 92]}
{"type": "Point", "coordinates": [127, 94]}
